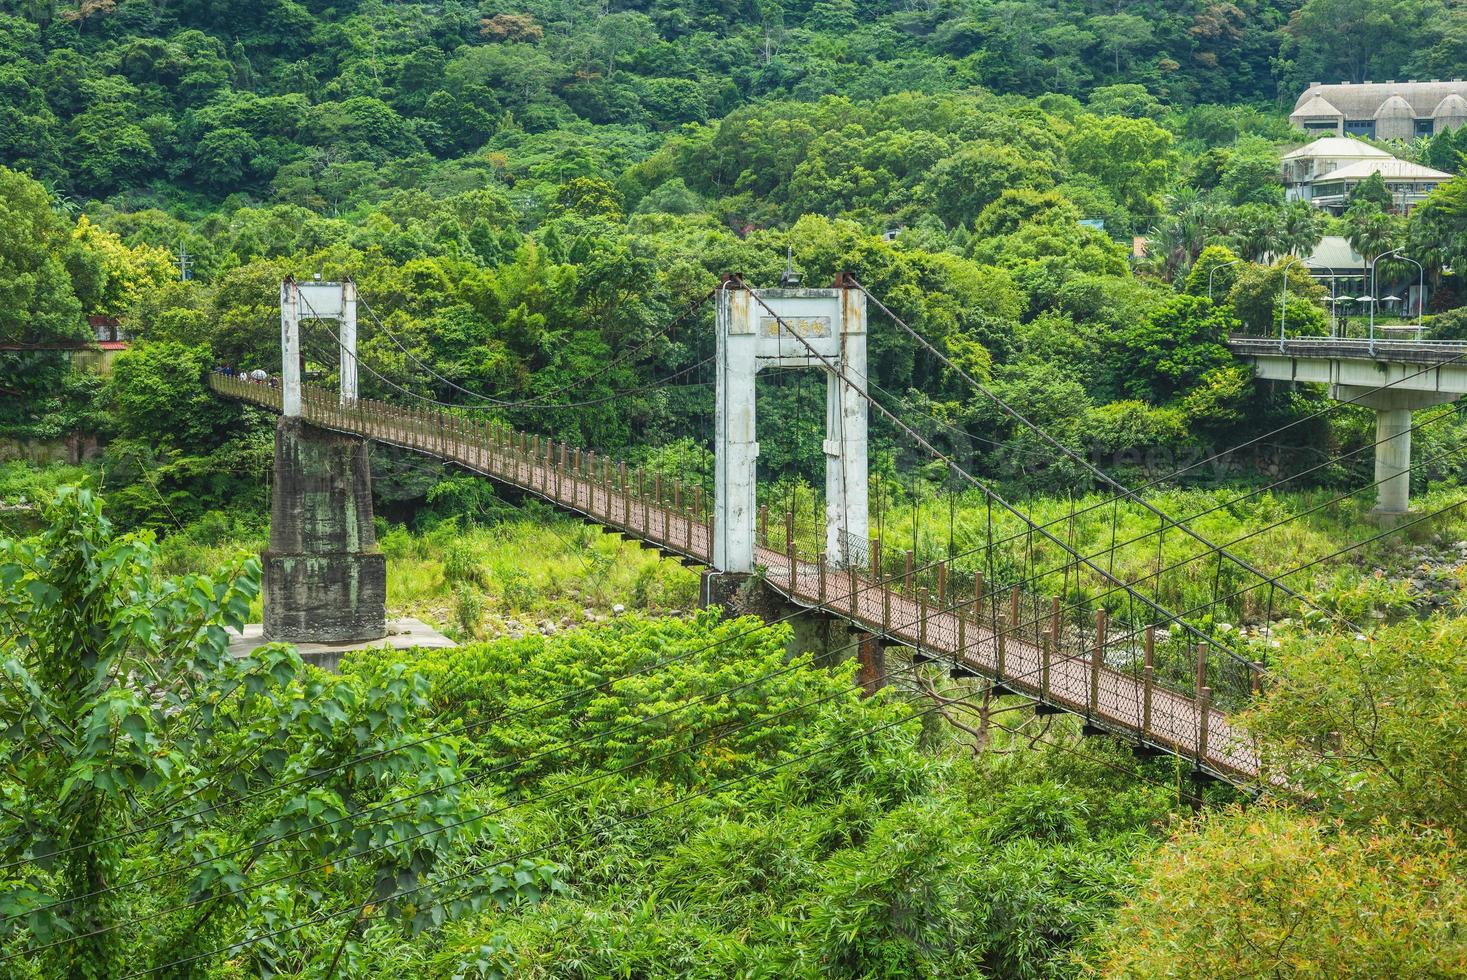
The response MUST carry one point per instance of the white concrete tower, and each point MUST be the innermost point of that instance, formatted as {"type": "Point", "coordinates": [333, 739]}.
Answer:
{"type": "Point", "coordinates": [814, 328]}
{"type": "Point", "coordinates": [290, 348]}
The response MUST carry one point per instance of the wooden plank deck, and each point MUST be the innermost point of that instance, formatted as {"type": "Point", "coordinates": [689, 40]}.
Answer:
{"type": "Point", "coordinates": [1013, 654]}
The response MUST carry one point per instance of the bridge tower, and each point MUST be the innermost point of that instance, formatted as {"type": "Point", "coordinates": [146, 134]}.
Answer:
{"type": "Point", "coordinates": [754, 333]}
{"type": "Point", "coordinates": [324, 580]}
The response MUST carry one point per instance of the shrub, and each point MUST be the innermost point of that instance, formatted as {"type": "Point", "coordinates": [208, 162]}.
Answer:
{"type": "Point", "coordinates": [1273, 893]}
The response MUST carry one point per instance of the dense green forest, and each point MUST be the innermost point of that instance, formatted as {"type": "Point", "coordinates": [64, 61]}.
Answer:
{"type": "Point", "coordinates": [523, 195]}
{"type": "Point", "coordinates": [536, 202]}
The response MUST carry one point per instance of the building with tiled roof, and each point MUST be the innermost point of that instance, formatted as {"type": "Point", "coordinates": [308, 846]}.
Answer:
{"type": "Point", "coordinates": [1382, 110]}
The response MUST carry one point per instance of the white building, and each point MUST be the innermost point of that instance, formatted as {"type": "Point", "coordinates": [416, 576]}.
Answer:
{"type": "Point", "coordinates": [1326, 171]}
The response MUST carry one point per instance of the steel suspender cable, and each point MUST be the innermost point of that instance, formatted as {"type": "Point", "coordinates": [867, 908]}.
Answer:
{"type": "Point", "coordinates": [1336, 406]}
{"type": "Point", "coordinates": [539, 400]}
{"type": "Point", "coordinates": [1253, 534]}
{"type": "Point", "coordinates": [1070, 454]}
{"type": "Point", "coordinates": [462, 729]}
{"type": "Point", "coordinates": [614, 396]}
{"type": "Point", "coordinates": [1455, 410]}
{"type": "Point", "coordinates": [1000, 500]}
{"type": "Point", "coordinates": [712, 695]}
{"type": "Point", "coordinates": [256, 845]}
{"type": "Point", "coordinates": [1342, 551]}
{"type": "Point", "coordinates": [437, 735]}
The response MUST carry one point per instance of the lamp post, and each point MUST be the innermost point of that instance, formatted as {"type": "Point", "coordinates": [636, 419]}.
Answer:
{"type": "Point", "coordinates": [1420, 292]}
{"type": "Point", "coordinates": [1284, 312]}
{"type": "Point", "coordinates": [1213, 271]}
{"type": "Point", "coordinates": [1334, 314]}
{"type": "Point", "coordinates": [1373, 291]}
{"type": "Point", "coordinates": [1370, 302]}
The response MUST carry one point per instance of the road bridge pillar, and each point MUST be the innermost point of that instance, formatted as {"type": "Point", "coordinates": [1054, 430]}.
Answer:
{"type": "Point", "coordinates": [1393, 410]}
{"type": "Point", "coordinates": [324, 580]}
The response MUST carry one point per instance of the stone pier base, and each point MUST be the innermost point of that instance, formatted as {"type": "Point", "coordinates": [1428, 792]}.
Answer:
{"type": "Point", "coordinates": [720, 589]}
{"type": "Point", "coordinates": [325, 598]}
{"type": "Point", "coordinates": [324, 581]}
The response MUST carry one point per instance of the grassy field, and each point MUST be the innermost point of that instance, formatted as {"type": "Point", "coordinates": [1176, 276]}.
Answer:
{"type": "Point", "coordinates": [530, 568]}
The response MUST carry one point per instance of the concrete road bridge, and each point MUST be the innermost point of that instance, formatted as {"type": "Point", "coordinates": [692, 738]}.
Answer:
{"type": "Point", "coordinates": [1393, 377]}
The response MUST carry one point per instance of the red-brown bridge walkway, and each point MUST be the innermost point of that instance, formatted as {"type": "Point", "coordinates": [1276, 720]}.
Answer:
{"type": "Point", "coordinates": [1083, 670]}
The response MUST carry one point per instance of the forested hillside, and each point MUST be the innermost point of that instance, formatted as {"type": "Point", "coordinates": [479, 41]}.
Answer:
{"type": "Point", "coordinates": [303, 102]}
{"type": "Point", "coordinates": [1075, 201]}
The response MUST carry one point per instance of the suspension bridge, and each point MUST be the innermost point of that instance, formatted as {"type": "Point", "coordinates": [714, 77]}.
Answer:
{"type": "Point", "coordinates": [1153, 679]}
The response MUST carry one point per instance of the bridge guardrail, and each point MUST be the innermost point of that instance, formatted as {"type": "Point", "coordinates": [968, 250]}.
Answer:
{"type": "Point", "coordinates": [1139, 680]}
{"type": "Point", "coordinates": [1413, 351]}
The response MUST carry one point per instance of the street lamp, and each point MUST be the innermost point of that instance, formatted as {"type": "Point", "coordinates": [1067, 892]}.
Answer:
{"type": "Point", "coordinates": [1213, 271]}
{"type": "Point", "coordinates": [1373, 290]}
{"type": "Point", "coordinates": [1370, 301]}
{"type": "Point", "coordinates": [1284, 312]}
{"type": "Point", "coordinates": [1420, 292]}
{"type": "Point", "coordinates": [1334, 313]}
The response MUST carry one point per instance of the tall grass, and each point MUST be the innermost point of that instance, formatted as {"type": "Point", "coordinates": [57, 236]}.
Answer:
{"type": "Point", "coordinates": [1174, 570]}
{"type": "Point", "coordinates": [529, 570]}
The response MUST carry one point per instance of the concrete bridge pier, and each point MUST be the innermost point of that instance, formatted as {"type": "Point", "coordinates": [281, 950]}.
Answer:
{"type": "Point", "coordinates": [1393, 408]}
{"type": "Point", "coordinates": [324, 580]}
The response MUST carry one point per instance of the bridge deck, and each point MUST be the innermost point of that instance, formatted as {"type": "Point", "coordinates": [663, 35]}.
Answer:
{"type": "Point", "coordinates": [1381, 349]}
{"type": "Point", "coordinates": [1018, 657]}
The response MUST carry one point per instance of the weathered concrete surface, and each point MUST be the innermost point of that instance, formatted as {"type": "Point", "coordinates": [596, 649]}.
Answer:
{"type": "Point", "coordinates": [324, 581]}
{"type": "Point", "coordinates": [1394, 379]}
{"type": "Point", "coordinates": [1393, 410]}
{"type": "Point", "coordinates": [831, 325]}
{"type": "Point", "coordinates": [402, 634]}
{"type": "Point", "coordinates": [721, 589]}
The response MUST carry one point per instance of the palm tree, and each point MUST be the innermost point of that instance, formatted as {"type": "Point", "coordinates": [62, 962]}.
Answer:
{"type": "Point", "coordinates": [1371, 231]}
{"type": "Point", "coordinates": [1188, 228]}
{"type": "Point", "coordinates": [1257, 231]}
{"type": "Point", "coordinates": [1301, 228]}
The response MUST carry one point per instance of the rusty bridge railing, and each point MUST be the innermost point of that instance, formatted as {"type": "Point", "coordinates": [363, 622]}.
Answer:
{"type": "Point", "coordinates": [1138, 682]}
